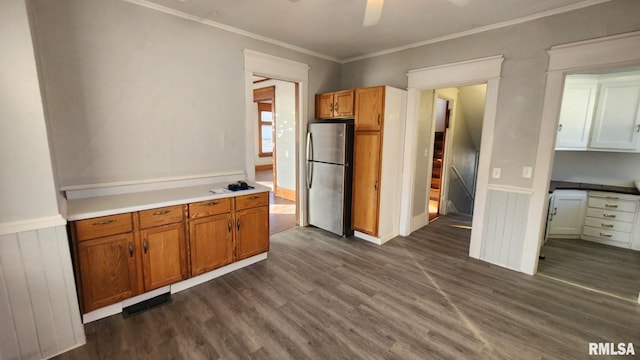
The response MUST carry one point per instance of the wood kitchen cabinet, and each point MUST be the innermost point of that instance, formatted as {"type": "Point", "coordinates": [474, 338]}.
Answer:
{"type": "Point", "coordinates": [252, 225]}
{"type": "Point", "coordinates": [369, 108]}
{"type": "Point", "coordinates": [366, 178]}
{"type": "Point", "coordinates": [210, 235]}
{"type": "Point", "coordinates": [377, 162]}
{"type": "Point", "coordinates": [164, 254]}
{"type": "Point", "coordinates": [120, 256]}
{"type": "Point", "coordinates": [106, 260]}
{"type": "Point", "coordinates": [335, 105]}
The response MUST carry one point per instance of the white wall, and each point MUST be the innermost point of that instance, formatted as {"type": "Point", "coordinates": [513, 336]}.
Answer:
{"type": "Point", "coordinates": [137, 94]}
{"type": "Point", "coordinates": [593, 167]}
{"type": "Point", "coordinates": [39, 315]}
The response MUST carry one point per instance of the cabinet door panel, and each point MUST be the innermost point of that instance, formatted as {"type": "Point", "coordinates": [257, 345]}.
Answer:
{"type": "Point", "coordinates": [324, 106]}
{"type": "Point", "coordinates": [617, 123]}
{"type": "Point", "coordinates": [343, 104]}
{"type": "Point", "coordinates": [576, 114]}
{"type": "Point", "coordinates": [211, 240]}
{"type": "Point", "coordinates": [252, 231]}
{"type": "Point", "coordinates": [366, 183]}
{"type": "Point", "coordinates": [163, 256]}
{"type": "Point", "coordinates": [369, 108]}
{"type": "Point", "coordinates": [107, 270]}
{"type": "Point", "coordinates": [568, 210]}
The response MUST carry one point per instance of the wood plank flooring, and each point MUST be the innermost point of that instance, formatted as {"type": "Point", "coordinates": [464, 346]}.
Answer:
{"type": "Point", "coordinates": [601, 267]}
{"type": "Point", "coordinates": [319, 296]}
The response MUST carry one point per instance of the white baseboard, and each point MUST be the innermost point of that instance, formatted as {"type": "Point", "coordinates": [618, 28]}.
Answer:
{"type": "Point", "coordinates": [115, 309]}
{"type": "Point", "coordinates": [419, 221]}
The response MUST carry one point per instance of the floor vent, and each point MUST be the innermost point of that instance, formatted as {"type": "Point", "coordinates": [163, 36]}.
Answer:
{"type": "Point", "coordinates": [146, 305]}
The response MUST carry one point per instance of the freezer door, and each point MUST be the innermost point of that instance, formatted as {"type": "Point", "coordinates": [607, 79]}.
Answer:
{"type": "Point", "coordinates": [326, 197]}
{"type": "Point", "coordinates": [327, 142]}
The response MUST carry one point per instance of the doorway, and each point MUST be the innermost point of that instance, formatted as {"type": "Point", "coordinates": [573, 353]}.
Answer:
{"type": "Point", "coordinates": [276, 109]}
{"type": "Point", "coordinates": [457, 123]}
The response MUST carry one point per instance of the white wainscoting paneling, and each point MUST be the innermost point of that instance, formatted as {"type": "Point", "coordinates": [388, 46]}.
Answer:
{"type": "Point", "coordinates": [505, 227]}
{"type": "Point", "coordinates": [39, 314]}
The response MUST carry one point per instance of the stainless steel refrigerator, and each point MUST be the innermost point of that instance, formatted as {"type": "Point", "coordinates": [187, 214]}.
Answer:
{"type": "Point", "coordinates": [329, 170]}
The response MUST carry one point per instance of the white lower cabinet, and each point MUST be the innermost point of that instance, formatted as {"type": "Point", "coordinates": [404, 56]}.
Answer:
{"type": "Point", "coordinates": [566, 214]}
{"type": "Point", "coordinates": [611, 219]}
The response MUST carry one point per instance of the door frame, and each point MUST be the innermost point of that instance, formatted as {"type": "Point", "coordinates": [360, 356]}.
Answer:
{"type": "Point", "coordinates": [606, 52]}
{"type": "Point", "coordinates": [288, 70]}
{"type": "Point", "coordinates": [484, 70]}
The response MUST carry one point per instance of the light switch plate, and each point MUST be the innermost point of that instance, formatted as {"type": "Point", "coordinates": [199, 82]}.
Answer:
{"type": "Point", "coordinates": [496, 173]}
{"type": "Point", "coordinates": [527, 171]}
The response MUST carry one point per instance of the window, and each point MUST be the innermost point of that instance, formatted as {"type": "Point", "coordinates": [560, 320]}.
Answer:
{"type": "Point", "coordinates": [265, 126]}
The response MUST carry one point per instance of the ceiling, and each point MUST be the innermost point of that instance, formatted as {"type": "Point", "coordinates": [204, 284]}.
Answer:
{"type": "Point", "coordinates": [333, 29]}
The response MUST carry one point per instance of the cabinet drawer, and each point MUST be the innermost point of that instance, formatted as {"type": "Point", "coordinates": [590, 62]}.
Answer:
{"type": "Point", "coordinates": [103, 226]}
{"type": "Point", "coordinates": [613, 204]}
{"type": "Point", "coordinates": [610, 215]}
{"type": "Point", "coordinates": [608, 224]}
{"type": "Point", "coordinates": [209, 207]}
{"type": "Point", "coordinates": [160, 216]}
{"type": "Point", "coordinates": [251, 201]}
{"type": "Point", "coordinates": [608, 235]}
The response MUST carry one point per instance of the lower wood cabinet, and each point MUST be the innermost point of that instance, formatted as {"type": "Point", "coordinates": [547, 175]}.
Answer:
{"type": "Point", "coordinates": [252, 231]}
{"type": "Point", "coordinates": [164, 258]}
{"type": "Point", "coordinates": [108, 270]}
{"type": "Point", "coordinates": [120, 256]}
{"type": "Point", "coordinates": [211, 241]}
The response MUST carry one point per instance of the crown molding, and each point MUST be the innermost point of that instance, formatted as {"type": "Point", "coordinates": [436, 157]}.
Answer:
{"type": "Point", "coordinates": [231, 29]}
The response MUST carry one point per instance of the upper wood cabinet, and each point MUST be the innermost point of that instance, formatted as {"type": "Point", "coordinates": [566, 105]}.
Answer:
{"type": "Point", "coordinates": [335, 105]}
{"type": "Point", "coordinates": [369, 112]}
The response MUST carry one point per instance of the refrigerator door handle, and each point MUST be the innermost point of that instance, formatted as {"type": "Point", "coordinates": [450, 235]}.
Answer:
{"type": "Point", "coordinates": [309, 158]}
{"type": "Point", "coordinates": [309, 147]}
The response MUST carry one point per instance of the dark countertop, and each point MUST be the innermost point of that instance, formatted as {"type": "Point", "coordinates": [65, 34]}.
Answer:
{"type": "Point", "coordinates": [555, 185]}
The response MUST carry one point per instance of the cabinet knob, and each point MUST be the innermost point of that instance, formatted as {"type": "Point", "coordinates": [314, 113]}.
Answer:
{"type": "Point", "coordinates": [378, 119]}
{"type": "Point", "coordinates": [229, 226]}
{"type": "Point", "coordinates": [163, 212]}
{"type": "Point", "coordinates": [606, 235]}
{"type": "Point", "coordinates": [213, 203]}
{"type": "Point", "coordinates": [130, 248]}
{"type": "Point", "coordinates": [145, 245]}
{"type": "Point", "coordinates": [638, 128]}
{"type": "Point", "coordinates": [336, 107]}
{"type": "Point", "coordinates": [559, 127]}
{"type": "Point", "coordinates": [238, 224]}
{"type": "Point", "coordinates": [610, 216]}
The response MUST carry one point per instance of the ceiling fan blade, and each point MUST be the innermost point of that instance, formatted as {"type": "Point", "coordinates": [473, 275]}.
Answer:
{"type": "Point", "coordinates": [459, 3]}
{"type": "Point", "coordinates": [372, 12]}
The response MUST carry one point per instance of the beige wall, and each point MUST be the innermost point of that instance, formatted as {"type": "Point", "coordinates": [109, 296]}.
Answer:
{"type": "Point", "coordinates": [136, 94]}
{"type": "Point", "coordinates": [523, 80]}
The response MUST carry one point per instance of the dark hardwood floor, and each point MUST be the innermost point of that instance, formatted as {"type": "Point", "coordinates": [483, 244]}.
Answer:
{"type": "Point", "coordinates": [600, 267]}
{"type": "Point", "coordinates": [319, 296]}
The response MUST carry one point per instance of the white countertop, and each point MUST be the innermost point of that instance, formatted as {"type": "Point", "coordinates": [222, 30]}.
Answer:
{"type": "Point", "coordinates": [79, 209]}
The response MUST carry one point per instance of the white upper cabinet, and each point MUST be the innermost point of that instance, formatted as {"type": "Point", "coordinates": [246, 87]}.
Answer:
{"type": "Point", "coordinates": [617, 121]}
{"type": "Point", "coordinates": [576, 114]}
{"type": "Point", "coordinates": [600, 113]}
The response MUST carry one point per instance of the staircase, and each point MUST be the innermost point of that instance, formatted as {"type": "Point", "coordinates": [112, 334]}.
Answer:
{"type": "Point", "coordinates": [436, 173]}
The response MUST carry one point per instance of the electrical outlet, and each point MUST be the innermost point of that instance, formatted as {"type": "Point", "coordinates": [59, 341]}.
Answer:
{"type": "Point", "coordinates": [527, 171]}
{"type": "Point", "coordinates": [426, 152]}
{"type": "Point", "coordinates": [496, 173]}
